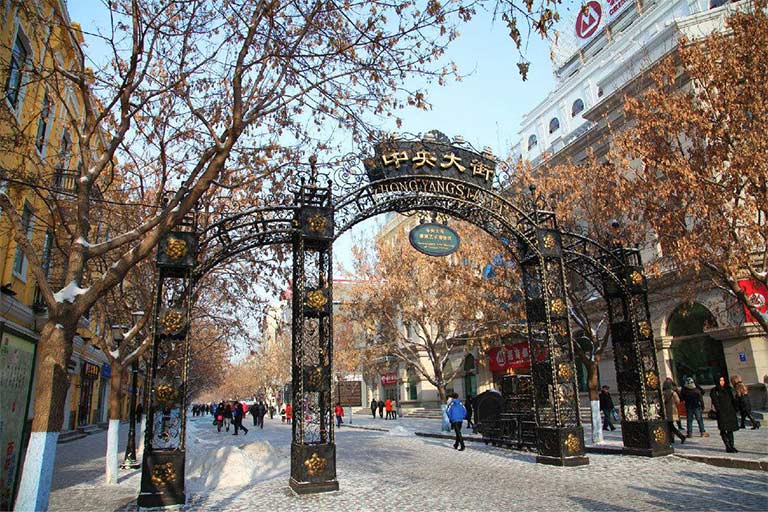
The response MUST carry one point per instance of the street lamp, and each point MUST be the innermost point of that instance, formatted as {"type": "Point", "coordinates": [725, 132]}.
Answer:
{"type": "Point", "coordinates": [130, 448]}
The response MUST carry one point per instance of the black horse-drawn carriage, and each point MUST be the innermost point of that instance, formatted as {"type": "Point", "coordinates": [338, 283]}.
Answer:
{"type": "Point", "coordinates": [507, 418]}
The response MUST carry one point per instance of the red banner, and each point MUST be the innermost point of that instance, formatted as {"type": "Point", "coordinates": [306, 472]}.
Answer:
{"type": "Point", "coordinates": [389, 378]}
{"type": "Point", "coordinates": [757, 295]}
{"type": "Point", "coordinates": [509, 356]}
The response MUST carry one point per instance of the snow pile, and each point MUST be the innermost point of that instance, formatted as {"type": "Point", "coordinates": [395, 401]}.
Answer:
{"type": "Point", "coordinates": [213, 466]}
{"type": "Point", "coordinates": [399, 432]}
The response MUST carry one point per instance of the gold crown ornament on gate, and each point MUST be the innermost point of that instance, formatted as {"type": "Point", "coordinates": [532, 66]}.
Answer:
{"type": "Point", "coordinates": [316, 299]}
{"type": "Point", "coordinates": [163, 474]}
{"type": "Point", "coordinates": [176, 248]}
{"type": "Point", "coordinates": [315, 464]}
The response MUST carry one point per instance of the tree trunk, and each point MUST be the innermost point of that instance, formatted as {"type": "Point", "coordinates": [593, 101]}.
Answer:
{"type": "Point", "coordinates": [115, 400]}
{"type": "Point", "coordinates": [52, 382]}
{"type": "Point", "coordinates": [594, 400]}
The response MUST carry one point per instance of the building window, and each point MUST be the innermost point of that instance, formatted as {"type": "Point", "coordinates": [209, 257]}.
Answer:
{"type": "Point", "coordinates": [532, 142]}
{"type": "Point", "coordinates": [20, 261]}
{"type": "Point", "coordinates": [43, 122]}
{"type": "Point", "coordinates": [554, 125]}
{"type": "Point", "coordinates": [47, 251]}
{"type": "Point", "coordinates": [599, 92]}
{"type": "Point", "coordinates": [19, 57]}
{"type": "Point", "coordinates": [577, 107]}
{"type": "Point", "coordinates": [718, 3]}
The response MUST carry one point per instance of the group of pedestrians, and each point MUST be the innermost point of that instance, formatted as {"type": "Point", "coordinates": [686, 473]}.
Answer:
{"type": "Point", "coordinates": [201, 409]}
{"type": "Point", "coordinates": [230, 414]}
{"type": "Point", "coordinates": [729, 401]}
{"type": "Point", "coordinates": [388, 405]}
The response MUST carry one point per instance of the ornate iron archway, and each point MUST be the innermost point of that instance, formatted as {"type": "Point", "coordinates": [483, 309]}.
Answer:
{"type": "Point", "coordinates": [456, 180]}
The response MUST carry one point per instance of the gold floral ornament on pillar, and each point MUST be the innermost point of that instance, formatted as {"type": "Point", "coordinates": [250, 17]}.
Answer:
{"type": "Point", "coordinates": [644, 328]}
{"type": "Point", "coordinates": [651, 380]}
{"type": "Point", "coordinates": [316, 299]}
{"type": "Point", "coordinates": [166, 394]}
{"type": "Point", "coordinates": [315, 464]}
{"type": "Point", "coordinates": [317, 223]}
{"type": "Point", "coordinates": [572, 443]}
{"type": "Point", "coordinates": [163, 474]}
{"type": "Point", "coordinates": [549, 241]}
{"type": "Point", "coordinates": [172, 321]}
{"type": "Point", "coordinates": [660, 435]}
{"type": "Point", "coordinates": [564, 371]}
{"type": "Point", "coordinates": [558, 306]}
{"type": "Point", "coordinates": [176, 248]}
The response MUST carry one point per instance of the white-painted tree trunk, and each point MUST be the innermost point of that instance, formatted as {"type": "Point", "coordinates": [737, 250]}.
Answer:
{"type": "Point", "coordinates": [597, 424]}
{"type": "Point", "coordinates": [112, 465]}
{"type": "Point", "coordinates": [35, 486]}
{"type": "Point", "coordinates": [140, 434]}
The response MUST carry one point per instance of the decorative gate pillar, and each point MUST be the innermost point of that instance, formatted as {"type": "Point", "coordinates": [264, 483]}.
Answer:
{"type": "Point", "coordinates": [643, 428]}
{"type": "Point", "coordinates": [162, 469]}
{"type": "Point", "coordinates": [313, 448]}
{"type": "Point", "coordinates": [559, 430]}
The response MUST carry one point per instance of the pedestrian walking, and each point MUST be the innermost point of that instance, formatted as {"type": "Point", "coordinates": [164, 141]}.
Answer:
{"type": "Point", "coordinates": [219, 416]}
{"type": "Point", "coordinates": [388, 408]}
{"type": "Point", "coordinates": [254, 412]}
{"type": "Point", "coordinates": [339, 410]}
{"type": "Point", "coordinates": [743, 405]}
{"type": "Point", "coordinates": [671, 401]}
{"type": "Point", "coordinates": [374, 406]}
{"type": "Point", "coordinates": [724, 405]}
{"type": "Point", "coordinates": [468, 407]}
{"type": "Point", "coordinates": [262, 411]}
{"type": "Point", "coordinates": [237, 417]}
{"type": "Point", "coordinates": [381, 408]}
{"type": "Point", "coordinates": [693, 398]}
{"type": "Point", "coordinates": [271, 412]}
{"type": "Point", "coordinates": [456, 415]}
{"type": "Point", "coordinates": [288, 413]}
{"type": "Point", "coordinates": [227, 416]}
{"type": "Point", "coordinates": [606, 405]}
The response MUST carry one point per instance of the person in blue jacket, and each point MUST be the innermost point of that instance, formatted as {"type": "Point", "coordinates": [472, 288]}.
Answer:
{"type": "Point", "coordinates": [456, 415]}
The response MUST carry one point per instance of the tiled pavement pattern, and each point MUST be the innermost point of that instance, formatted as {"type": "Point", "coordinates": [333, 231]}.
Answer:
{"type": "Point", "coordinates": [382, 471]}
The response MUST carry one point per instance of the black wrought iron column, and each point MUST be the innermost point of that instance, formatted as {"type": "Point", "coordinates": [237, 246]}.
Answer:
{"type": "Point", "coordinates": [643, 428]}
{"type": "Point", "coordinates": [559, 430]}
{"type": "Point", "coordinates": [313, 449]}
{"type": "Point", "coordinates": [162, 472]}
{"type": "Point", "coordinates": [130, 448]}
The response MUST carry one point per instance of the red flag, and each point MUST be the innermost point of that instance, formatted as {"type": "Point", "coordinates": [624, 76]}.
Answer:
{"type": "Point", "coordinates": [757, 295]}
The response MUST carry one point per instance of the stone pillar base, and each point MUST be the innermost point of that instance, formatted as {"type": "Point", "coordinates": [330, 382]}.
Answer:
{"type": "Point", "coordinates": [313, 487]}
{"type": "Point", "coordinates": [562, 461]}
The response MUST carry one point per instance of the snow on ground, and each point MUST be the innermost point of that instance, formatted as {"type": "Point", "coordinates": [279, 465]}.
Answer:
{"type": "Point", "coordinates": [218, 460]}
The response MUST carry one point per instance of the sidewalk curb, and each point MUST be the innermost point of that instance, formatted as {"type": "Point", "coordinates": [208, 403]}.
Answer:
{"type": "Point", "coordinates": [724, 462]}
{"type": "Point", "coordinates": [360, 427]}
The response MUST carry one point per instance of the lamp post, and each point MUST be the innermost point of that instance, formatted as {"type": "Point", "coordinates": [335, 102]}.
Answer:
{"type": "Point", "coordinates": [130, 461]}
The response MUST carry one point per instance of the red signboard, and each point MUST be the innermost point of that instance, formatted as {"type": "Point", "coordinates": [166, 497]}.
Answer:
{"type": "Point", "coordinates": [757, 295]}
{"type": "Point", "coordinates": [389, 378]}
{"type": "Point", "coordinates": [509, 356]}
{"type": "Point", "coordinates": [588, 19]}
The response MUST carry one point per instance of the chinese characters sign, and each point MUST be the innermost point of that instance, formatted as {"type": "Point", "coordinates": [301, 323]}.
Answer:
{"type": "Point", "coordinates": [434, 239]}
{"type": "Point", "coordinates": [395, 158]}
{"type": "Point", "coordinates": [389, 378]}
{"type": "Point", "coordinates": [509, 356]}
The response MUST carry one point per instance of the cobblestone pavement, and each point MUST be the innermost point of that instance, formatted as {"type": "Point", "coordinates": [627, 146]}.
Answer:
{"type": "Point", "coordinates": [752, 444]}
{"type": "Point", "coordinates": [398, 471]}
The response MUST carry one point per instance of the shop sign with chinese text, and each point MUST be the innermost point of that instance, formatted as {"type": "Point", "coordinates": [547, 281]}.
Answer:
{"type": "Point", "coordinates": [389, 378]}
{"type": "Point", "coordinates": [437, 156]}
{"type": "Point", "coordinates": [434, 239]}
{"type": "Point", "coordinates": [509, 356]}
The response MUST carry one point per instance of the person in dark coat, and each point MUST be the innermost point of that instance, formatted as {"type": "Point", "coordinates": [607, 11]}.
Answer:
{"type": "Point", "coordinates": [468, 407]}
{"type": "Point", "coordinates": [724, 404]}
{"type": "Point", "coordinates": [374, 406]}
{"type": "Point", "coordinates": [237, 418]}
{"type": "Point", "coordinates": [606, 405]}
{"type": "Point", "coordinates": [693, 397]}
{"type": "Point", "coordinates": [743, 405]}
{"type": "Point", "coordinates": [381, 408]}
{"type": "Point", "coordinates": [254, 412]}
{"type": "Point", "coordinates": [262, 411]}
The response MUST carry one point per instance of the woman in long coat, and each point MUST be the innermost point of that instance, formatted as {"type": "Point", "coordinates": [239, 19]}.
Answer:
{"type": "Point", "coordinates": [671, 400]}
{"type": "Point", "coordinates": [724, 404]}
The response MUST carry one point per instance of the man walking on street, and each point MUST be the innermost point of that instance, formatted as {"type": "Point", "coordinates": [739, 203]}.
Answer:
{"type": "Point", "coordinates": [606, 405]}
{"type": "Point", "coordinates": [374, 405]}
{"type": "Point", "coordinates": [456, 414]}
{"type": "Point", "coordinates": [237, 418]}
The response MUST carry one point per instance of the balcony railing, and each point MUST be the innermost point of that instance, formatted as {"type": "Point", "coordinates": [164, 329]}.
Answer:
{"type": "Point", "coordinates": [67, 182]}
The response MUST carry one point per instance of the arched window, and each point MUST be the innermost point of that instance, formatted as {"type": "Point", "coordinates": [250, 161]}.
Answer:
{"type": "Point", "coordinates": [577, 107]}
{"type": "Point", "coordinates": [695, 354]}
{"type": "Point", "coordinates": [532, 142]}
{"type": "Point", "coordinates": [554, 125]}
{"type": "Point", "coordinates": [469, 363]}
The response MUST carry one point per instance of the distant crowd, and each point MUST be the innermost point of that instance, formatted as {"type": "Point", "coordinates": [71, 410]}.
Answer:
{"type": "Point", "coordinates": [388, 405]}
{"type": "Point", "coordinates": [231, 413]}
